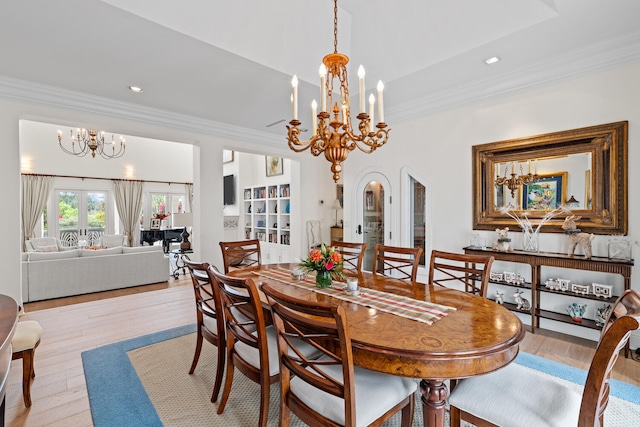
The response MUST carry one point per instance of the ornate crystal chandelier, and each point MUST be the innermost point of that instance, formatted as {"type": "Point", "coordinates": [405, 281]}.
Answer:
{"type": "Point", "coordinates": [516, 181]}
{"type": "Point", "coordinates": [335, 136]}
{"type": "Point", "coordinates": [88, 141]}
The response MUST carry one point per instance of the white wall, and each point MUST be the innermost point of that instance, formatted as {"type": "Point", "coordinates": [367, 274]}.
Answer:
{"type": "Point", "coordinates": [439, 148]}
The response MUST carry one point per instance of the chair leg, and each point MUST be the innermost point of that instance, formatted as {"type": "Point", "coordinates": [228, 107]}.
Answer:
{"type": "Point", "coordinates": [407, 412]}
{"type": "Point", "coordinates": [222, 354]}
{"type": "Point", "coordinates": [28, 373]}
{"type": "Point", "coordinates": [196, 355]}
{"type": "Point", "coordinates": [227, 385]}
{"type": "Point", "coordinates": [265, 387]}
{"type": "Point", "coordinates": [454, 416]}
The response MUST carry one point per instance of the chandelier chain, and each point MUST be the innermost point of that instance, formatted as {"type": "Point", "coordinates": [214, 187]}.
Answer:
{"type": "Point", "coordinates": [335, 26]}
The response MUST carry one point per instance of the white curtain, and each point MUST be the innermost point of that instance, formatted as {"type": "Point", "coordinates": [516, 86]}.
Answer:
{"type": "Point", "coordinates": [35, 192]}
{"type": "Point", "coordinates": [188, 188]}
{"type": "Point", "coordinates": [128, 195]}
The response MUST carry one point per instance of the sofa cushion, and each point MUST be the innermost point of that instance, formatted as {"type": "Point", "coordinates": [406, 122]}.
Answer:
{"type": "Point", "coordinates": [112, 240]}
{"type": "Point", "coordinates": [45, 256]}
{"type": "Point", "coordinates": [101, 252]}
{"type": "Point", "coordinates": [136, 249]}
{"type": "Point", "coordinates": [53, 248]}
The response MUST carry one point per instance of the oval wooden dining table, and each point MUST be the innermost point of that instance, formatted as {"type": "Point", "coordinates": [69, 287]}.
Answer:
{"type": "Point", "coordinates": [479, 337]}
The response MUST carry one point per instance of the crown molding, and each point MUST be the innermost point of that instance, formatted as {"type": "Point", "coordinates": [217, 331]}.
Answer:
{"type": "Point", "coordinates": [25, 91]}
{"type": "Point", "coordinates": [580, 62]}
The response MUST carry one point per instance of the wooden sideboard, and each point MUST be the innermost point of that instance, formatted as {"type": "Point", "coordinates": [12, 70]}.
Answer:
{"type": "Point", "coordinates": [537, 260]}
{"type": "Point", "coordinates": [337, 233]}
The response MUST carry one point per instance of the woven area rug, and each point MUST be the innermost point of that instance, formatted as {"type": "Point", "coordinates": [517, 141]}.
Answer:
{"type": "Point", "coordinates": [145, 382]}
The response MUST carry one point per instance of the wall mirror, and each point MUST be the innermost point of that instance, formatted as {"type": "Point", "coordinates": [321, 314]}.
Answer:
{"type": "Point", "coordinates": [584, 169]}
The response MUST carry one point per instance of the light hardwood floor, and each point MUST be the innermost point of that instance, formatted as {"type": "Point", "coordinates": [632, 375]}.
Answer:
{"type": "Point", "coordinates": [73, 325]}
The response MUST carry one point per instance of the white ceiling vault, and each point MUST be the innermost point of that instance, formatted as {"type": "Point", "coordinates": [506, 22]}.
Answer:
{"type": "Point", "coordinates": [231, 62]}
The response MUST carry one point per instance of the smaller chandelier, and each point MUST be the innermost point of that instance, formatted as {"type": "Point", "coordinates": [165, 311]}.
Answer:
{"type": "Point", "coordinates": [88, 141]}
{"type": "Point", "coordinates": [336, 143]}
{"type": "Point", "coordinates": [516, 181]}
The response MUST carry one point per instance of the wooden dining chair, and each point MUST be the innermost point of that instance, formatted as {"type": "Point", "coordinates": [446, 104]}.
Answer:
{"type": "Point", "coordinates": [393, 261]}
{"type": "Point", "coordinates": [472, 271]}
{"type": "Point", "coordinates": [352, 254]}
{"type": "Point", "coordinates": [329, 390]}
{"type": "Point", "coordinates": [241, 254]}
{"type": "Point", "coordinates": [248, 339]}
{"type": "Point", "coordinates": [209, 318]}
{"type": "Point", "coordinates": [499, 398]}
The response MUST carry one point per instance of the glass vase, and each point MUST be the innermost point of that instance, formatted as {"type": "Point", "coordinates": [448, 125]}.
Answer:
{"type": "Point", "coordinates": [323, 279]}
{"type": "Point", "coordinates": [530, 241]}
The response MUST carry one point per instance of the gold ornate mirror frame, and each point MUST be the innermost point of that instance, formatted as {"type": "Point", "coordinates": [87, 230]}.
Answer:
{"type": "Point", "coordinates": [601, 181]}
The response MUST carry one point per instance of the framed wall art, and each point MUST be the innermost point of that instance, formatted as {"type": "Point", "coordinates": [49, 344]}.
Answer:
{"type": "Point", "coordinates": [273, 165]}
{"type": "Point", "coordinates": [547, 193]}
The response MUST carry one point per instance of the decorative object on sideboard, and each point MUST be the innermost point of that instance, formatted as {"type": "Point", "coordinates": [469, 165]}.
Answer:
{"type": "Point", "coordinates": [503, 242]}
{"type": "Point", "coordinates": [477, 241]}
{"type": "Point", "coordinates": [603, 291]}
{"type": "Point", "coordinates": [552, 284]}
{"type": "Point", "coordinates": [336, 207]}
{"type": "Point", "coordinates": [602, 314]}
{"type": "Point", "coordinates": [183, 220]}
{"type": "Point", "coordinates": [523, 304]}
{"type": "Point", "coordinates": [335, 144]}
{"type": "Point", "coordinates": [530, 235]}
{"type": "Point", "coordinates": [499, 297]}
{"type": "Point", "coordinates": [564, 284]}
{"type": "Point", "coordinates": [580, 289]}
{"type": "Point", "coordinates": [89, 141]}
{"type": "Point", "coordinates": [619, 247]}
{"type": "Point", "coordinates": [495, 277]}
{"type": "Point", "coordinates": [576, 311]}
{"type": "Point", "coordinates": [576, 237]}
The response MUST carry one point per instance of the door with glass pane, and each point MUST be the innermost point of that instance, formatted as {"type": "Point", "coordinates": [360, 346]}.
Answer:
{"type": "Point", "coordinates": [81, 216]}
{"type": "Point", "coordinates": [373, 213]}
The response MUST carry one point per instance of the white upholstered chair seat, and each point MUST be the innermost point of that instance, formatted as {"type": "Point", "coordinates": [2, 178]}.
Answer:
{"type": "Point", "coordinates": [251, 355]}
{"type": "Point", "coordinates": [525, 398]}
{"type": "Point", "coordinates": [375, 394]}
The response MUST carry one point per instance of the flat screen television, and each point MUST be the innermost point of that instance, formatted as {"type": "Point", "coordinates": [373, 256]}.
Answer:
{"type": "Point", "coordinates": [229, 190]}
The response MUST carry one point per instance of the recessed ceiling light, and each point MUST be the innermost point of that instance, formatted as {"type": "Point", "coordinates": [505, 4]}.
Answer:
{"type": "Point", "coordinates": [135, 89]}
{"type": "Point", "coordinates": [492, 60]}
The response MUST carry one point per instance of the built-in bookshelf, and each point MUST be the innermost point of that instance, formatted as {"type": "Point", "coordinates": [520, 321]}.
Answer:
{"type": "Point", "coordinates": [267, 214]}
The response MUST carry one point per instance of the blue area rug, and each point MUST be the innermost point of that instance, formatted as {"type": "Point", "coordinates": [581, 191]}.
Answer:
{"type": "Point", "coordinates": [117, 397]}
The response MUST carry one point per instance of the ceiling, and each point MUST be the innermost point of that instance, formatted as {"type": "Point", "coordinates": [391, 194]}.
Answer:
{"type": "Point", "coordinates": [231, 62]}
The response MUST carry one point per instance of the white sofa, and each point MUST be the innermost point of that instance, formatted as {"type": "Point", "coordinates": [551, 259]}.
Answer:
{"type": "Point", "coordinates": [62, 273]}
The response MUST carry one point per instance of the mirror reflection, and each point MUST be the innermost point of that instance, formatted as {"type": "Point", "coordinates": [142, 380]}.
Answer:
{"type": "Point", "coordinates": [545, 183]}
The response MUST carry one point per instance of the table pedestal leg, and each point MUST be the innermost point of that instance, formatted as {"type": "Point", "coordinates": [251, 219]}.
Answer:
{"type": "Point", "coordinates": [434, 402]}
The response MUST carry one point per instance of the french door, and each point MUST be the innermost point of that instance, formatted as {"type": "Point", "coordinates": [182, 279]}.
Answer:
{"type": "Point", "coordinates": [82, 216]}
{"type": "Point", "coordinates": [373, 214]}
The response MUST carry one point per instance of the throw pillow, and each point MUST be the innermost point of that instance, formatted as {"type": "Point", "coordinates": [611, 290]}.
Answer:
{"type": "Point", "coordinates": [101, 252]}
{"type": "Point", "coordinates": [46, 256]}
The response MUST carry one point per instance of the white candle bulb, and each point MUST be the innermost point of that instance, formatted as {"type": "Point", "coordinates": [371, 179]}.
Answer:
{"type": "Point", "coordinates": [314, 118]}
{"type": "Point", "coordinates": [344, 113]}
{"type": "Point", "coordinates": [380, 102]}
{"type": "Point", "coordinates": [361, 88]}
{"type": "Point", "coordinates": [372, 100]}
{"type": "Point", "coordinates": [294, 106]}
{"type": "Point", "coordinates": [323, 87]}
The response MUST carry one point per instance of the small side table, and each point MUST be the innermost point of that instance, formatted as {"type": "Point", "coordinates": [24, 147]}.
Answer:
{"type": "Point", "coordinates": [178, 255]}
{"type": "Point", "coordinates": [337, 233]}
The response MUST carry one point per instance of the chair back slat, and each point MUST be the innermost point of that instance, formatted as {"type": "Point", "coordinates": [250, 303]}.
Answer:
{"type": "Point", "coordinates": [624, 318]}
{"type": "Point", "coordinates": [207, 298]}
{"type": "Point", "coordinates": [401, 263]}
{"type": "Point", "coordinates": [241, 254]}
{"type": "Point", "coordinates": [323, 326]}
{"type": "Point", "coordinates": [472, 271]}
{"type": "Point", "coordinates": [352, 254]}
